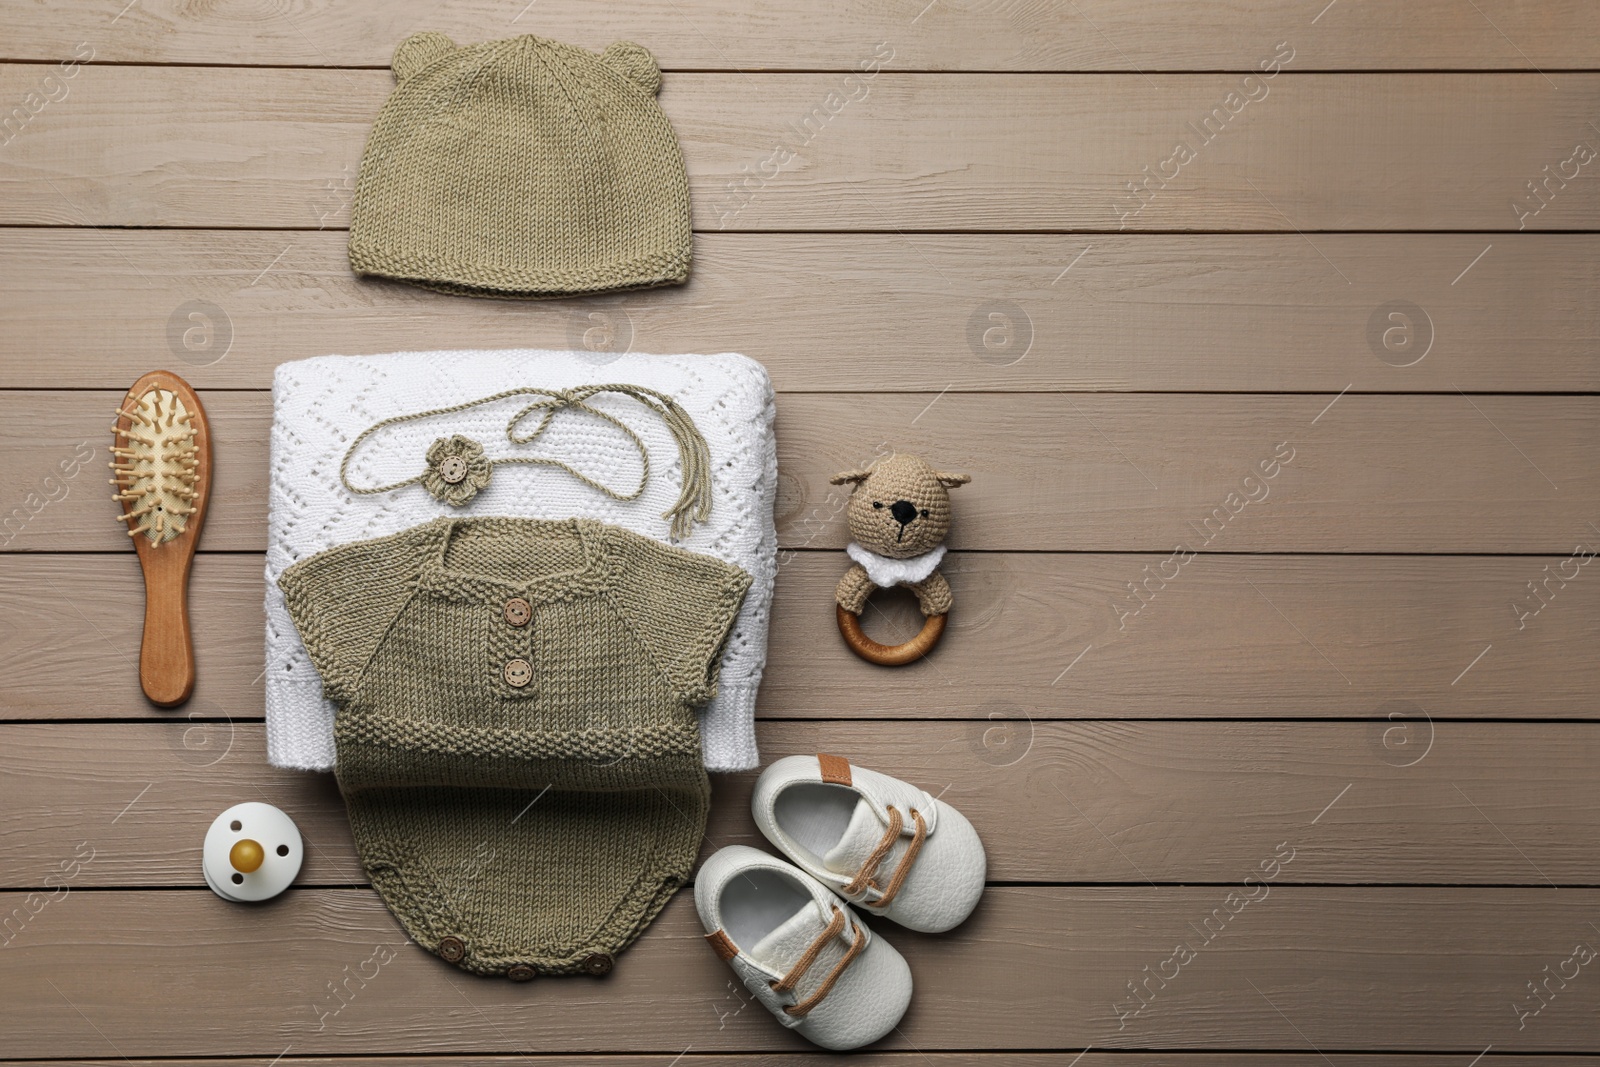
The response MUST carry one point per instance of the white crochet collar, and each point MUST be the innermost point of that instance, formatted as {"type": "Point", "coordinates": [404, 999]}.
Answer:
{"type": "Point", "coordinates": [886, 572]}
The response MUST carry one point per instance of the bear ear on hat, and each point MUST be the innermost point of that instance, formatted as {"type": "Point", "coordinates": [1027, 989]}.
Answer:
{"type": "Point", "coordinates": [950, 481]}
{"type": "Point", "coordinates": [855, 476]}
{"type": "Point", "coordinates": [634, 62]}
{"type": "Point", "coordinates": [417, 51]}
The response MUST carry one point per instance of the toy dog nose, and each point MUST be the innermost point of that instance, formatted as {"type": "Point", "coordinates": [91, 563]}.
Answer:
{"type": "Point", "coordinates": [903, 511]}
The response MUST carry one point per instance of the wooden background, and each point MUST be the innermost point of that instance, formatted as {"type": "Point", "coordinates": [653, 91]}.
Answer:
{"type": "Point", "coordinates": [1381, 661]}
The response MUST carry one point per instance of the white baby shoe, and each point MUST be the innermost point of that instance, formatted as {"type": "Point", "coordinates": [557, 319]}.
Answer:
{"type": "Point", "coordinates": [802, 953]}
{"type": "Point", "coordinates": [875, 840]}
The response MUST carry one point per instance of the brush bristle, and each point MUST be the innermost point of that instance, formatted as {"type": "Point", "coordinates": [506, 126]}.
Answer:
{"type": "Point", "coordinates": [156, 466]}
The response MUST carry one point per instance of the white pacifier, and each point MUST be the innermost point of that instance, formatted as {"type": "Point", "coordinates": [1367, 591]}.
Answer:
{"type": "Point", "coordinates": [252, 852]}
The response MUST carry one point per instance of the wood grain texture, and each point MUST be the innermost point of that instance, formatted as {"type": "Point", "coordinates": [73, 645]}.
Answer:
{"type": "Point", "coordinates": [772, 35]}
{"type": "Point", "coordinates": [1246, 313]}
{"type": "Point", "coordinates": [1433, 474]}
{"type": "Point", "coordinates": [184, 146]}
{"type": "Point", "coordinates": [1231, 637]}
{"type": "Point", "coordinates": [1070, 1058]}
{"type": "Point", "coordinates": [1387, 801]}
{"type": "Point", "coordinates": [1436, 969]}
{"type": "Point", "coordinates": [951, 263]}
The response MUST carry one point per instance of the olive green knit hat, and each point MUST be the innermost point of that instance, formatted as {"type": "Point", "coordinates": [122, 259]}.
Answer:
{"type": "Point", "coordinates": [522, 168]}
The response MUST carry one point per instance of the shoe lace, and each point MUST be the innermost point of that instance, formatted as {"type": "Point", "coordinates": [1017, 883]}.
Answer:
{"type": "Point", "coordinates": [866, 877]}
{"type": "Point", "coordinates": [789, 981]}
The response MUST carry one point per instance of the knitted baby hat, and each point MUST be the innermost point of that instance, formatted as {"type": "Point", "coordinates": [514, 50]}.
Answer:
{"type": "Point", "coordinates": [522, 168]}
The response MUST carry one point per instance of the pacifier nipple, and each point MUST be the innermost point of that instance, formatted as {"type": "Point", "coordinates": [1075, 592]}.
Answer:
{"type": "Point", "coordinates": [246, 856]}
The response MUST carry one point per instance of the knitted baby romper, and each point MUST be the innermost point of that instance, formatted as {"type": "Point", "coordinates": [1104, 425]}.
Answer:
{"type": "Point", "coordinates": [516, 737]}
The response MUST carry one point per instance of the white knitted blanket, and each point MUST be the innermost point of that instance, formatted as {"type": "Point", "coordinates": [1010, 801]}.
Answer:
{"type": "Point", "coordinates": [320, 405]}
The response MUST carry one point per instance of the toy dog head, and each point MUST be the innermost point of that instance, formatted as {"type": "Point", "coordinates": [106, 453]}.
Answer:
{"type": "Point", "coordinates": [901, 506]}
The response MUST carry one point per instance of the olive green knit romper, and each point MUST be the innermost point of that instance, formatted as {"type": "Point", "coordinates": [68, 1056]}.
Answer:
{"type": "Point", "coordinates": [516, 737]}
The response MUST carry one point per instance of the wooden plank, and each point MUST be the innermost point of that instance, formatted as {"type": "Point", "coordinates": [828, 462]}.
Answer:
{"type": "Point", "coordinates": [1050, 472]}
{"type": "Point", "coordinates": [1398, 801]}
{"type": "Point", "coordinates": [1436, 969]}
{"type": "Point", "coordinates": [253, 147]}
{"type": "Point", "coordinates": [1074, 1058]}
{"type": "Point", "coordinates": [950, 35]}
{"type": "Point", "coordinates": [1159, 313]}
{"type": "Point", "coordinates": [1234, 636]}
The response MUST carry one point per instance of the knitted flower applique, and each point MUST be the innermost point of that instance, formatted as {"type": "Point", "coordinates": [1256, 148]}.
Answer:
{"type": "Point", "coordinates": [457, 470]}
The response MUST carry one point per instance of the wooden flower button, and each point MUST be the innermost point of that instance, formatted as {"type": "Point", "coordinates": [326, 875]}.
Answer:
{"type": "Point", "coordinates": [452, 949]}
{"type": "Point", "coordinates": [453, 469]}
{"type": "Point", "coordinates": [520, 972]}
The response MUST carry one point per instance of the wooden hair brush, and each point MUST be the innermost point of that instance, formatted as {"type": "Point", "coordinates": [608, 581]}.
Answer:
{"type": "Point", "coordinates": [161, 468]}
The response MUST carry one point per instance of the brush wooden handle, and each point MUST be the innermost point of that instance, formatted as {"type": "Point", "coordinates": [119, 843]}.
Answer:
{"type": "Point", "coordinates": [166, 655]}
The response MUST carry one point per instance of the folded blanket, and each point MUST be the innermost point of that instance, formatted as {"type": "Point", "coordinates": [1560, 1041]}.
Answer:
{"type": "Point", "coordinates": [320, 405]}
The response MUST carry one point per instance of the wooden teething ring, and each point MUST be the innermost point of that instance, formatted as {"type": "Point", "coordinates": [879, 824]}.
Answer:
{"type": "Point", "coordinates": [889, 655]}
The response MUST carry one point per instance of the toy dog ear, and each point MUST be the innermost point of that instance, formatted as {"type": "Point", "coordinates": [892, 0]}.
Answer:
{"type": "Point", "coordinates": [950, 481]}
{"type": "Point", "coordinates": [856, 477]}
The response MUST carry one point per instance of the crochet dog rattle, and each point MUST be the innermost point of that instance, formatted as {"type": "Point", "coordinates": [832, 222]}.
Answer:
{"type": "Point", "coordinates": [899, 515]}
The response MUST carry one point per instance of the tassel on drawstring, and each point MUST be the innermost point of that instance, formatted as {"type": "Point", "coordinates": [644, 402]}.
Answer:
{"type": "Point", "coordinates": [694, 496]}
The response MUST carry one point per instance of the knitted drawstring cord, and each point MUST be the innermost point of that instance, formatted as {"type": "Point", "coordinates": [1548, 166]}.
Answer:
{"type": "Point", "coordinates": [694, 497]}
